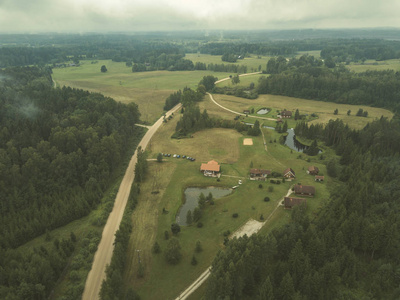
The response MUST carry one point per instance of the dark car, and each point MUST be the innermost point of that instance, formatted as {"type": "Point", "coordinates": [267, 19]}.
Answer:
{"type": "Point", "coordinates": [192, 159]}
{"type": "Point", "coordinates": [183, 156]}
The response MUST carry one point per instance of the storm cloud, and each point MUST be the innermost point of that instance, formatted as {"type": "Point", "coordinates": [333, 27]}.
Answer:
{"type": "Point", "coordinates": [142, 15]}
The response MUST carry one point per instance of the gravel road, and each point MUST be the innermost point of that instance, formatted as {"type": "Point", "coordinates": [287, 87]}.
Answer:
{"type": "Point", "coordinates": [105, 249]}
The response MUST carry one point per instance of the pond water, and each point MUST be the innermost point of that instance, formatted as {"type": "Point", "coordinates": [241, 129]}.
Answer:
{"type": "Point", "coordinates": [192, 197]}
{"type": "Point", "coordinates": [293, 143]}
{"type": "Point", "coordinates": [262, 111]}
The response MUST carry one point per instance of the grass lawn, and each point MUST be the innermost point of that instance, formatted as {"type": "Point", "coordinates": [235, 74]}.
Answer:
{"type": "Point", "coordinates": [174, 175]}
{"type": "Point", "coordinates": [324, 110]}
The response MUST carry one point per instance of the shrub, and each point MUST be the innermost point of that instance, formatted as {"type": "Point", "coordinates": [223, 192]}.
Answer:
{"type": "Point", "coordinates": [270, 189]}
{"type": "Point", "coordinates": [235, 215]}
{"type": "Point", "coordinates": [172, 253]}
{"type": "Point", "coordinates": [199, 247]}
{"type": "Point", "coordinates": [194, 261]}
{"type": "Point", "coordinates": [266, 199]}
{"type": "Point", "coordinates": [226, 233]}
{"type": "Point", "coordinates": [199, 224]}
{"type": "Point", "coordinates": [260, 186]}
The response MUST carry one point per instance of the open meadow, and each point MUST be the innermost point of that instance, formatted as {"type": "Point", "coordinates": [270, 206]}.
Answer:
{"type": "Point", "coordinates": [147, 89]}
{"type": "Point", "coordinates": [373, 65]}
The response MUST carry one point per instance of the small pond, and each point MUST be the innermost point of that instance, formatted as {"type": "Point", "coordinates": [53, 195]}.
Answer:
{"type": "Point", "coordinates": [192, 197]}
{"type": "Point", "coordinates": [293, 143]}
{"type": "Point", "coordinates": [262, 111]}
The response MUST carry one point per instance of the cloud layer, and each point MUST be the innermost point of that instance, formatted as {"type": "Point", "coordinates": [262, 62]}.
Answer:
{"type": "Point", "coordinates": [142, 15]}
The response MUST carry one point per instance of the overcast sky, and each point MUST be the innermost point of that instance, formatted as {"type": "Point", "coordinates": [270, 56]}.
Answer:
{"type": "Point", "coordinates": [31, 16]}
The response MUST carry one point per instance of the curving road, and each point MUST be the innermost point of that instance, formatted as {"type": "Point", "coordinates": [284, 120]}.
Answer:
{"type": "Point", "coordinates": [103, 255]}
{"type": "Point", "coordinates": [232, 111]}
{"type": "Point", "coordinates": [235, 112]}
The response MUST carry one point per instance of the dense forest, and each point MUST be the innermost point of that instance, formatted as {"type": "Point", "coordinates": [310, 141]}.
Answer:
{"type": "Point", "coordinates": [59, 149]}
{"type": "Point", "coordinates": [349, 250]}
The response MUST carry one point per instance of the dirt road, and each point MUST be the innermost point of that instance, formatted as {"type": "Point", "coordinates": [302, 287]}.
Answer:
{"type": "Point", "coordinates": [104, 252]}
{"type": "Point", "coordinates": [235, 112]}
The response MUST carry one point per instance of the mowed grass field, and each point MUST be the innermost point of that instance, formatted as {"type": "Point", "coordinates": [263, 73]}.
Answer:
{"type": "Point", "coordinates": [324, 110]}
{"type": "Point", "coordinates": [147, 89]}
{"type": "Point", "coordinates": [173, 175]}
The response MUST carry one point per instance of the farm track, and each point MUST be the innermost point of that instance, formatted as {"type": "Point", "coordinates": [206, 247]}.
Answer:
{"type": "Point", "coordinates": [105, 249]}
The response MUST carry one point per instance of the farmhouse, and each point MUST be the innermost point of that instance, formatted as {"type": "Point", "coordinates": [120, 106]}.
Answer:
{"type": "Point", "coordinates": [312, 170]}
{"type": "Point", "coordinates": [286, 114]}
{"type": "Point", "coordinates": [305, 190]}
{"type": "Point", "coordinates": [212, 168]}
{"type": "Point", "coordinates": [289, 202]}
{"type": "Point", "coordinates": [319, 178]}
{"type": "Point", "coordinates": [259, 174]}
{"type": "Point", "coordinates": [289, 173]}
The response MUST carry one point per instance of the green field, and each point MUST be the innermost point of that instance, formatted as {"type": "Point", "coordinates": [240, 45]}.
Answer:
{"type": "Point", "coordinates": [252, 62]}
{"type": "Point", "coordinates": [174, 175]}
{"type": "Point", "coordinates": [147, 89]}
{"type": "Point", "coordinates": [391, 64]}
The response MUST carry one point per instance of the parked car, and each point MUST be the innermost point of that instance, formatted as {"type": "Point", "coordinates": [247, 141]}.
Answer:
{"type": "Point", "coordinates": [183, 156]}
{"type": "Point", "coordinates": [178, 156]}
{"type": "Point", "coordinates": [169, 155]}
{"type": "Point", "coordinates": [192, 159]}
{"type": "Point", "coordinates": [174, 155]}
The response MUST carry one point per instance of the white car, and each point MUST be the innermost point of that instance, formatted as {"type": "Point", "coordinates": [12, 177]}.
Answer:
{"type": "Point", "coordinates": [240, 182]}
{"type": "Point", "coordinates": [174, 155]}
